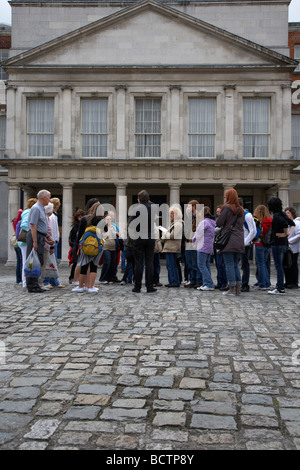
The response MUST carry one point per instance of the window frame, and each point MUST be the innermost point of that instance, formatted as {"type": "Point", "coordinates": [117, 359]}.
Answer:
{"type": "Point", "coordinates": [256, 97]}
{"type": "Point", "coordinates": [53, 133]}
{"type": "Point", "coordinates": [106, 134]}
{"type": "Point", "coordinates": [153, 134]}
{"type": "Point", "coordinates": [212, 98]}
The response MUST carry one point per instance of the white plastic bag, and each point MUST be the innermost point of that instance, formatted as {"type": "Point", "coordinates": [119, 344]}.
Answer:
{"type": "Point", "coordinates": [32, 266]}
{"type": "Point", "coordinates": [51, 267]}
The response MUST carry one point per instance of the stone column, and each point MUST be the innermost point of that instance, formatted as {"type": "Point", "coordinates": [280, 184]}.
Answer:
{"type": "Point", "coordinates": [66, 121]}
{"type": "Point", "coordinates": [13, 207]}
{"type": "Point", "coordinates": [121, 208]}
{"type": "Point", "coordinates": [283, 194]}
{"type": "Point", "coordinates": [10, 121]}
{"type": "Point", "coordinates": [121, 120]}
{"type": "Point", "coordinates": [174, 194]}
{"type": "Point", "coordinates": [286, 122]}
{"type": "Point", "coordinates": [67, 212]}
{"type": "Point", "coordinates": [174, 120]}
{"type": "Point", "coordinates": [229, 121]}
{"type": "Point", "coordinates": [228, 186]}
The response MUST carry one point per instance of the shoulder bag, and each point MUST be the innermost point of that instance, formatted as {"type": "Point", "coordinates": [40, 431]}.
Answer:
{"type": "Point", "coordinates": [222, 238]}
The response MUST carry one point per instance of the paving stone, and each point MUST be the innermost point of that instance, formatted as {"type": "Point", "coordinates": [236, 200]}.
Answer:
{"type": "Point", "coordinates": [178, 373]}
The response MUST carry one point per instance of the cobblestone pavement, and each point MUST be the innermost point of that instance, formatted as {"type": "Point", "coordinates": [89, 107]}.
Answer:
{"type": "Point", "coordinates": [175, 370]}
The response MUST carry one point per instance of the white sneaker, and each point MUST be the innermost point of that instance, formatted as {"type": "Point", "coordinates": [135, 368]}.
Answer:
{"type": "Point", "coordinates": [78, 289]}
{"type": "Point", "coordinates": [75, 283]}
{"type": "Point", "coordinates": [205, 288]}
{"type": "Point", "coordinates": [103, 282]}
{"type": "Point", "coordinates": [276, 292]}
{"type": "Point", "coordinates": [93, 289]}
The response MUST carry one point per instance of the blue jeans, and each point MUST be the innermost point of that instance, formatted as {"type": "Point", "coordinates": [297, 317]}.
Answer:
{"type": "Point", "coordinates": [233, 274]}
{"type": "Point", "coordinates": [261, 256]}
{"type": "Point", "coordinates": [173, 274]}
{"type": "Point", "coordinates": [191, 261]}
{"type": "Point", "coordinates": [204, 267]}
{"type": "Point", "coordinates": [278, 254]}
{"type": "Point", "coordinates": [109, 263]}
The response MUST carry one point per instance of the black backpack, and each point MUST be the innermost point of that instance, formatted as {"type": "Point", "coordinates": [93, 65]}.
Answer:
{"type": "Point", "coordinates": [266, 239]}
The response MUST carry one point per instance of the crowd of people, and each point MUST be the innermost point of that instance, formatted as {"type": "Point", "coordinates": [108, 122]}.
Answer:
{"type": "Point", "coordinates": [270, 233]}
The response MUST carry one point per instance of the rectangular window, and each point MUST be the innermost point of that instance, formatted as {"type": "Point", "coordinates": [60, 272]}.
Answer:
{"type": "Point", "coordinates": [148, 127]}
{"type": "Point", "coordinates": [256, 127]}
{"type": "Point", "coordinates": [296, 135]}
{"type": "Point", "coordinates": [3, 57]}
{"type": "Point", "coordinates": [2, 135]}
{"type": "Point", "coordinates": [40, 127]}
{"type": "Point", "coordinates": [202, 127]}
{"type": "Point", "coordinates": [297, 56]}
{"type": "Point", "coordinates": [94, 127]}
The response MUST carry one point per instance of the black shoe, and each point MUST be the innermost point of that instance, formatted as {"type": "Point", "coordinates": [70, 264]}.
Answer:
{"type": "Point", "coordinates": [245, 289]}
{"type": "Point", "coordinates": [170, 285]}
{"type": "Point", "coordinates": [135, 289]}
{"type": "Point", "coordinates": [36, 289]}
{"type": "Point", "coordinates": [151, 289]}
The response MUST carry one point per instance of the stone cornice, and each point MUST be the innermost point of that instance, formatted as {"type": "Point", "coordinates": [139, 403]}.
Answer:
{"type": "Point", "coordinates": [267, 172]}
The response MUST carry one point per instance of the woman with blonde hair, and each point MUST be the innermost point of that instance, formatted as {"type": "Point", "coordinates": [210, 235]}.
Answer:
{"type": "Point", "coordinates": [231, 214]}
{"type": "Point", "coordinates": [263, 250]}
{"type": "Point", "coordinates": [172, 246]}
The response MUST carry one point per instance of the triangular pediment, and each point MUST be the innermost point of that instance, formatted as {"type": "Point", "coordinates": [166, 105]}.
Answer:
{"type": "Point", "coordinates": [148, 34]}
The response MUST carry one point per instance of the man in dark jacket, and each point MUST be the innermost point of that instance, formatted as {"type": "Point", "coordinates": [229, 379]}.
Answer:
{"type": "Point", "coordinates": [141, 230]}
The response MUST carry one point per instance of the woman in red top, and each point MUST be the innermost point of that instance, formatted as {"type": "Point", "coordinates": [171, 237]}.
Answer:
{"type": "Point", "coordinates": [262, 252]}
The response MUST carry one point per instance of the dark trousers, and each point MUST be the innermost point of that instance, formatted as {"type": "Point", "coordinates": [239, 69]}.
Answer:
{"type": "Point", "coordinates": [291, 274]}
{"type": "Point", "coordinates": [245, 266]}
{"type": "Point", "coordinates": [143, 251]}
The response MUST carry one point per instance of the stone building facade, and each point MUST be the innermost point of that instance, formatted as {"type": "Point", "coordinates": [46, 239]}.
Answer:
{"type": "Point", "coordinates": [183, 99]}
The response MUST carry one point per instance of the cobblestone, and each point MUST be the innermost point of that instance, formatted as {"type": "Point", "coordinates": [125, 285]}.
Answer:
{"type": "Point", "coordinates": [181, 371]}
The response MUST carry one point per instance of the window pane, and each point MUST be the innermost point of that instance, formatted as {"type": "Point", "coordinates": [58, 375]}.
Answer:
{"type": "Point", "coordinates": [40, 127]}
{"type": "Point", "coordinates": [297, 56]}
{"type": "Point", "coordinates": [256, 127]}
{"type": "Point", "coordinates": [148, 127]}
{"type": "Point", "coordinates": [94, 127]}
{"type": "Point", "coordinates": [202, 124]}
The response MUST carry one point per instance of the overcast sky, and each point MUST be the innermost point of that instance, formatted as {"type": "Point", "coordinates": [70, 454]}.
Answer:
{"type": "Point", "coordinates": [5, 15]}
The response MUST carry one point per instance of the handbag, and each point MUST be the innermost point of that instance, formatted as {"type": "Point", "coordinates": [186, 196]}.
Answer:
{"type": "Point", "coordinates": [22, 236]}
{"type": "Point", "coordinates": [222, 238]}
{"type": "Point", "coordinates": [13, 240]}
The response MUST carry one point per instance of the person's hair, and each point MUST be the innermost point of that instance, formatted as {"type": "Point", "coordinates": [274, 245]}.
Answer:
{"type": "Point", "coordinates": [31, 202]}
{"type": "Point", "coordinates": [49, 208]}
{"type": "Point", "coordinates": [292, 211]}
{"type": "Point", "coordinates": [261, 212]}
{"type": "Point", "coordinates": [193, 202]}
{"type": "Point", "coordinates": [177, 212]}
{"type": "Point", "coordinates": [206, 211]}
{"type": "Point", "coordinates": [143, 196]}
{"type": "Point", "coordinates": [232, 199]}
{"type": "Point", "coordinates": [90, 203]}
{"type": "Point", "coordinates": [78, 213]}
{"type": "Point", "coordinates": [92, 212]}
{"type": "Point", "coordinates": [42, 193]}
{"type": "Point", "coordinates": [275, 205]}
{"type": "Point", "coordinates": [55, 201]}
